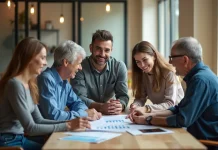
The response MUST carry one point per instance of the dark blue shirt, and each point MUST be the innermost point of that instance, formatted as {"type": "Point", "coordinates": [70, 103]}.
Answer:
{"type": "Point", "coordinates": [198, 110]}
{"type": "Point", "coordinates": [55, 94]}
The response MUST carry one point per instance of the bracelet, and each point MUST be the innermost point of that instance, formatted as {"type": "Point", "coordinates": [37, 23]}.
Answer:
{"type": "Point", "coordinates": [148, 109]}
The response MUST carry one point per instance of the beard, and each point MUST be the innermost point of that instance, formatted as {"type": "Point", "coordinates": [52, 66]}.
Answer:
{"type": "Point", "coordinates": [95, 59]}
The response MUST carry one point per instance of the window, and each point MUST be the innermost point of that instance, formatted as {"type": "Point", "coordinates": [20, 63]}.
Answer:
{"type": "Point", "coordinates": [168, 31]}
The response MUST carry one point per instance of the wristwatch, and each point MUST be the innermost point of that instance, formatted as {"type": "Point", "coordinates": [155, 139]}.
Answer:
{"type": "Point", "coordinates": [148, 120]}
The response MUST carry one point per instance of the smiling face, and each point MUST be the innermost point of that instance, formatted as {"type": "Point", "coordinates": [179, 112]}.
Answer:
{"type": "Point", "coordinates": [38, 62]}
{"type": "Point", "coordinates": [73, 68]}
{"type": "Point", "coordinates": [144, 61]}
{"type": "Point", "coordinates": [101, 51]}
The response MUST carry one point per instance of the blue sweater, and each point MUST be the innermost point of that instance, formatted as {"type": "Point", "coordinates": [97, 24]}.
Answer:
{"type": "Point", "coordinates": [198, 110]}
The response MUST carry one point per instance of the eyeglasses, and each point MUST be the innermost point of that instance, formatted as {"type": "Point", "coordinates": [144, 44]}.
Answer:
{"type": "Point", "coordinates": [174, 56]}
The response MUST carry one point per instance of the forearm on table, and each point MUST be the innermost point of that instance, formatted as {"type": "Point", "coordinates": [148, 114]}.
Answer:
{"type": "Point", "coordinates": [161, 107]}
{"type": "Point", "coordinates": [96, 106]}
{"type": "Point", "coordinates": [162, 113]}
{"type": "Point", "coordinates": [124, 103]}
{"type": "Point", "coordinates": [159, 121]}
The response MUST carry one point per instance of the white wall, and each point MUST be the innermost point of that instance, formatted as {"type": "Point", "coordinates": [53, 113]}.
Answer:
{"type": "Point", "coordinates": [198, 18]}
{"type": "Point", "coordinates": [134, 26]}
{"type": "Point", "coordinates": [203, 28]}
{"type": "Point", "coordinates": [95, 17]}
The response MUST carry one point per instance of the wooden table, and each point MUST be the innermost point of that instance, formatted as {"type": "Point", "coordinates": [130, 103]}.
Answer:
{"type": "Point", "coordinates": [180, 139]}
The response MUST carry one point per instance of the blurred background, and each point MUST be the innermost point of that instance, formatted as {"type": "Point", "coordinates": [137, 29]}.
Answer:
{"type": "Point", "coordinates": [130, 21]}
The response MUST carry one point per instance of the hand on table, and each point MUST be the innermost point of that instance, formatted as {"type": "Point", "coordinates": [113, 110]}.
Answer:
{"type": "Point", "coordinates": [93, 114]}
{"type": "Point", "coordinates": [78, 123]}
{"type": "Point", "coordinates": [138, 116]}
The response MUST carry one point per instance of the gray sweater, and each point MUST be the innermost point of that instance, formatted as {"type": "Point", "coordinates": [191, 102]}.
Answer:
{"type": "Point", "coordinates": [18, 113]}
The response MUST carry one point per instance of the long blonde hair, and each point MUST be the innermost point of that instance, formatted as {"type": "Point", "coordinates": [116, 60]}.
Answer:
{"type": "Point", "coordinates": [159, 68]}
{"type": "Point", "coordinates": [24, 52]}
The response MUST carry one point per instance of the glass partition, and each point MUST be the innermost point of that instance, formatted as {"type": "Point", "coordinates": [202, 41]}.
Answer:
{"type": "Point", "coordinates": [94, 16]}
{"type": "Point", "coordinates": [53, 32]}
{"type": "Point", "coordinates": [6, 36]}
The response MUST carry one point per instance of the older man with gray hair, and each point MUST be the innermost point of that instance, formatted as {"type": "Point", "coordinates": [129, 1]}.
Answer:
{"type": "Point", "coordinates": [55, 91]}
{"type": "Point", "coordinates": [198, 110]}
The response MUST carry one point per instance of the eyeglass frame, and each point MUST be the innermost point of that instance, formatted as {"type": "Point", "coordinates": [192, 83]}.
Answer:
{"type": "Point", "coordinates": [174, 56]}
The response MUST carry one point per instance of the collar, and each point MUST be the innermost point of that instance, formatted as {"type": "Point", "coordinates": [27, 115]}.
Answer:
{"type": "Point", "coordinates": [193, 71]}
{"type": "Point", "coordinates": [56, 75]}
{"type": "Point", "coordinates": [93, 68]}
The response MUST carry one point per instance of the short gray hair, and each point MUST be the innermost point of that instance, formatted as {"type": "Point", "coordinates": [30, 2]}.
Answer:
{"type": "Point", "coordinates": [190, 47]}
{"type": "Point", "coordinates": [67, 50]}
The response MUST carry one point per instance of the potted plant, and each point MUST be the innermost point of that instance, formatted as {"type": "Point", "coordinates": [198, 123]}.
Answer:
{"type": "Point", "coordinates": [21, 20]}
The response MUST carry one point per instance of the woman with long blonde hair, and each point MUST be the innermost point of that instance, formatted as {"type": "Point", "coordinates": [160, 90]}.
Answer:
{"type": "Point", "coordinates": [19, 97]}
{"type": "Point", "coordinates": [153, 78]}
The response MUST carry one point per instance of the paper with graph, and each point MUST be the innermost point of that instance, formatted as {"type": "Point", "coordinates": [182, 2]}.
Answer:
{"type": "Point", "coordinates": [116, 123]}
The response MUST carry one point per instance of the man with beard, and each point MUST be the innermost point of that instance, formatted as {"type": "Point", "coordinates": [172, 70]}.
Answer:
{"type": "Point", "coordinates": [102, 84]}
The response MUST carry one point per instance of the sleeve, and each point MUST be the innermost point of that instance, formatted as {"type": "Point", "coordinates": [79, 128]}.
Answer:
{"type": "Point", "coordinates": [121, 88]}
{"type": "Point", "coordinates": [48, 101]}
{"type": "Point", "coordinates": [192, 105]}
{"type": "Point", "coordinates": [141, 101]}
{"type": "Point", "coordinates": [79, 86]}
{"type": "Point", "coordinates": [74, 103]}
{"type": "Point", "coordinates": [172, 91]}
{"type": "Point", "coordinates": [18, 101]}
{"type": "Point", "coordinates": [40, 120]}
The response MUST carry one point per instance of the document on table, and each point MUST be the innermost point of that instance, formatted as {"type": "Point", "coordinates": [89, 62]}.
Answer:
{"type": "Point", "coordinates": [119, 123]}
{"type": "Point", "coordinates": [90, 137]}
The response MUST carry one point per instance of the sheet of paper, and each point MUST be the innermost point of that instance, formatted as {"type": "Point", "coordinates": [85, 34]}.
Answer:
{"type": "Point", "coordinates": [119, 123]}
{"type": "Point", "coordinates": [91, 137]}
{"type": "Point", "coordinates": [116, 123]}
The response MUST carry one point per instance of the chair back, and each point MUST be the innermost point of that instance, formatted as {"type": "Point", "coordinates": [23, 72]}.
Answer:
{"type": "Point", "coordinates": [11, 148]}
{"type": "Point", "coordinates": [209, 143]}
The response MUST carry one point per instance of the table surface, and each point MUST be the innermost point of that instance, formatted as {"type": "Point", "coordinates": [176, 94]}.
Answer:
{"type": "Point", "coordinates": [180, 139]}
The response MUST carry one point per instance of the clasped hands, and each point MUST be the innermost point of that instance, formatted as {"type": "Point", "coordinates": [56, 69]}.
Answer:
{"type": "Point", "coordinates": [112, 107]}
{"type": "Point", "coordinates": [137, 114]}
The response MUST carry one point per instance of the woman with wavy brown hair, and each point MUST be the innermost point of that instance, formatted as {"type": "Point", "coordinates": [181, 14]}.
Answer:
{"type": "Point", "coordinates": [19, 97]}
{"type": "Point", "coordinates": [153, 78]}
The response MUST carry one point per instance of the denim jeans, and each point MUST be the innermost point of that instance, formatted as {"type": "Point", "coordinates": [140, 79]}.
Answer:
{"type": "Point", "coordinates": [8, 139]}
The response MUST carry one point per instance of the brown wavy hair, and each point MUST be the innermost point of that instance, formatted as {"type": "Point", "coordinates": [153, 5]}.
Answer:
{"type": "Point", "coordinates": [160, 66]}
{"type": "Point", "coordinates": [24, 52]}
